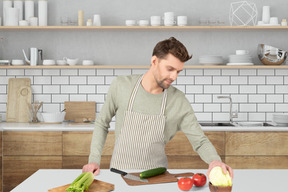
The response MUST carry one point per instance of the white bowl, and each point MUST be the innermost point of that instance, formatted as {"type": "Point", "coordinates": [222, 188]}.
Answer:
{"type": "Point", "coordinates": [56, 117]}
{"type": "Point", "coordinates": [61, 62]}
{"type": "Point", "coordinates": [48, 62]}
{"type": "Point", "coordinates": [17, 62]}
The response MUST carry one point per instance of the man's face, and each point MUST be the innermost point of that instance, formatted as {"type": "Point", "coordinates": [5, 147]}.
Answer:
{"type": "Point", "coordinates": [166, 70]}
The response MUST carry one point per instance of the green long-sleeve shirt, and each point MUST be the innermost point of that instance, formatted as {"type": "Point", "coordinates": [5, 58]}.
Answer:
{"type": "Point", "coordinates": [179, 116]}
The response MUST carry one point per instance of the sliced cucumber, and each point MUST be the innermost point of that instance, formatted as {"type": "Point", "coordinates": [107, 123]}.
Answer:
{"type": "Point", "coordinates": [153, 172]}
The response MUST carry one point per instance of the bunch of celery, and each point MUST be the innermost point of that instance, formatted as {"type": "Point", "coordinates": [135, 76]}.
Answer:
{"type": "Point", "coordinates": [81, 183]}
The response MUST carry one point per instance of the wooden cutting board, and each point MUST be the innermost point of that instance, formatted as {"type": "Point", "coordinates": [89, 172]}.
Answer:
{"type": "Point", "coordinates": [14, 84]}
{"type": "Point", "coordinates": [96, 186]}
{"type": "Point", "coordinates": [77, 111]}
{"type": "Point", "coordinates": [163, 178]}
{"type": "Point", "coordinates": [24, 96]}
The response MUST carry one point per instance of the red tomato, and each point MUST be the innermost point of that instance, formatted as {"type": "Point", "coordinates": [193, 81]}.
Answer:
{"type": "Point", "coordinates": [199, 179]}
{"type": "Point", "coordinates": [185, 183]}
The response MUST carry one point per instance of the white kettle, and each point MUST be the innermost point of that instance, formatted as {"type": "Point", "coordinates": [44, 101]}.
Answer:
{"type": "Point", "coordinates": [34, 56]}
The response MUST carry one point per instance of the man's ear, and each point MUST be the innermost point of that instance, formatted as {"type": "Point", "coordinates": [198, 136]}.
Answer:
{"type": "Point", "coordinates": [154, 60]}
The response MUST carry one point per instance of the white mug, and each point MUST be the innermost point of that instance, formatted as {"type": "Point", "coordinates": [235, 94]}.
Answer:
{"type": "Point", "coordinates": [96, 20]}
{"type": "Point", "coordinates": [274, 20]}
{"type": "Point", "coordinates": [155, 20]}
{"type": "Point", "coordinates": [169, 19]}
{"type": "Point", "coordinates": [182, 20]}
{"type": "Point", "coordinates": [143, 22]}
{"type": "Point", "coordinates": [130, 22]}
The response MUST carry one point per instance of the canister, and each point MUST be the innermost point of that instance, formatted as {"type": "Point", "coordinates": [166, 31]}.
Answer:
{"type": "Point", "coordinates": [29, 9]}
{"type": "Point", "coordinates": [43, 12]}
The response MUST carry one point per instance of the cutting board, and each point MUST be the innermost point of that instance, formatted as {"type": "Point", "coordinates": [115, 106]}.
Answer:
{"type": "Point", "coordinates": [78, 111]}
{"type": "Point", "coordinates": [14, 84]}
{"type": "Point", "coordinates": [24, 96]}
{"type": "Point", "coordinates": [96, 186]}
{"type": "Point", "coordinates": [163, 178]}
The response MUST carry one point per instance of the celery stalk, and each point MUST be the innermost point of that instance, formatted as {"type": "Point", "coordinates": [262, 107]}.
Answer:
{"type": "Point", "coordinates": [81, 183]}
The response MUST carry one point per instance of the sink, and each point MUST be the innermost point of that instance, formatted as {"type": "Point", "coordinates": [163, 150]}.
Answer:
{"type": "Point", "coordinates": [214, 124]}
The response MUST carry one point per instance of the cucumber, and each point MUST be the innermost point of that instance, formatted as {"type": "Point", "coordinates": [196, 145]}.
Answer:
{"type": "Point", "coordinates": [153, 172]}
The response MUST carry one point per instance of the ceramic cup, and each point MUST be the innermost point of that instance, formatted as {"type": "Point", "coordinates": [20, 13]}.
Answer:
{"type": "Point", "coordinates": [155, 20]}
{"type": "Point", "coordinates": [182, 20]}
{"type": "Point", "coordinates": [143, 22]}
{"type": "Point", "coordinates": [130, 22]}
{"type": "Point", "coordinates": [96, 20]}
{"type": "Point", "coordinates": [169, 19]}
{"type": "Point", "coordinates": [33, 21]}
{"type": "Point", "coordinates": [23, 23]}
{"type": "Point", "coordinates": [274, 20]}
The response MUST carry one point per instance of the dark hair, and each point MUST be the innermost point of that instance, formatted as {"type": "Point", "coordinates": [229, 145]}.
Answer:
{"type": "Point", "coordinates": [172, 46]}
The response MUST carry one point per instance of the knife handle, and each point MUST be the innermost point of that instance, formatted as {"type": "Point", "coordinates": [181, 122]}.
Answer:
{"type": "Point", "coordinates": [118, 171]}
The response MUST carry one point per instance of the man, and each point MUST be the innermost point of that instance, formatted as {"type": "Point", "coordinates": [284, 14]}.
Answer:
{"type": "Point", "coordinates": [149, 112]}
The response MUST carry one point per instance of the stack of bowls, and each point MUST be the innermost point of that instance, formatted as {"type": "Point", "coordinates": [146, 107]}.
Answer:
{"type": "Point", "coordinates": [281, 119]}
{"type": "Point", "coordinates": [211, 60]}
{"type": "Point", "coordinates": [242, 57]}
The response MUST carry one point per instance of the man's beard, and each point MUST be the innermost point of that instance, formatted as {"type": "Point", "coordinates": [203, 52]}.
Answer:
{"type": "Point", "coordinates": [162, 84]}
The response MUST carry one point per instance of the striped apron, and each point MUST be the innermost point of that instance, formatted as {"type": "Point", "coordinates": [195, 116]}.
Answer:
{"type": "Point", "coordinates": [140, 144]}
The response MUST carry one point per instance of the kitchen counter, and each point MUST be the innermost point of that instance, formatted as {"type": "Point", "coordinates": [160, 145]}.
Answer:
{"type": "Point", "coordinates": [252, 180]}
{"type": "Point", "coordinates": [4, 126]}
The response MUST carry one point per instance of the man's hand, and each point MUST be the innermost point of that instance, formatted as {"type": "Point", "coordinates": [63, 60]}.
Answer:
{"type": "Point", "coordinates": [222, 165]}
{"type": "Point", "coordinates": [91, 167]}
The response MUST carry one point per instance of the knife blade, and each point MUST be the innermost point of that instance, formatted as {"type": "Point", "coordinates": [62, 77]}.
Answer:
{"type": "Point", "coordinates": [129, 176]}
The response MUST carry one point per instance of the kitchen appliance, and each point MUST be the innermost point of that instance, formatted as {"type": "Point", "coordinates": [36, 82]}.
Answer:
{"type": "Point", "coordinates": [34, 54]}
{"type": "Point", "coordinates": [96, 186]}
{"type": "Point", "coordinates": [129, 176]}
{"type": "Point", "coordinates": [269, 55]}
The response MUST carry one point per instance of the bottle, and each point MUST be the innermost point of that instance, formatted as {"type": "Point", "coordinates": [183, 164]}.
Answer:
{"type": "Point", "coordinates": [80, 18]}
{"type": "Point", "coordinates": [42, 12]}
{"type": "Point", "coordinates": [19, 4]}
{"type": "Point", "coordinates": [29, 9]}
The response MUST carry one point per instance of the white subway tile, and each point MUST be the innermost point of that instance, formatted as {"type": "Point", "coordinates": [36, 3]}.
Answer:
{"type": "Point", "coordinates": [60, 80]}
{"type": "Point", "coordinates": [180, 87]}
{"type": "Point", "coordinates": [194, 72]}
{"type": "Point", "coordinates": [256, 98]}
{"type": "Point", "coordinates": [96, 98]}
{"type": "Point", "coordinates": [248, 71]}
{"type": "Point", "coordinates": [51, 89]}
{"type": "Point", "coordinates": [265, 89]}
{"type": "Point", "coordinates": [273, 80]}
{"type": "Point", "coordinates": [96, 80]}
{"type": "Point", "coordinates": [269, 116]}
{"type": "Point", "coordinates": [283, 72]}
{"type": "Point", "coordinates": [44, 98]}
{"type": "Point", "coordinates": [197, 107]}
{"type": "Point", "coordinates": [139, 71]}
{"type": "Point", "coordinates": [241, 117]}
{"type": "Point", "coordinates": [248, 89]}
{"type": "Point", "coordinates": [69, 72]}
{"type": "Point", "coordinates": [225, 107]}
{"type": "Point", "coordinates": [281, 89]}
{"type": "Point", "coordinates": [230, 89]}
{"type": "Point", "coordinates": [3, 72]}
{"type": "Point", "coordinates": [186, 80]}
{"type": "Point", "coordinates": [286, 98]}
{"type": "Point", "coordinates": [78, 80]}
{"type": "Point", "coordinates": [207, 80]}
{"type": "Point", "coordinates": [49, 107]}
{"type": "Point", "coordinates": [69, 89]}
{"type": "Point", "coordinates": [239, 80]}
{"type": "Point", "coordinates": [248, 107]}
{"type": "Point", "coordinates": [15, 72]}
{"type": "Point", "coordinates": [239, 98]}
{"type": "Point", "coordinates": [104, 72]}
{"type": "Point", "coordinates": [109, 79]}
{"type": "Point", "coordinates": [221, 117]}
{"type": "Point", "coordinates": [78, 97]}
{"type": "Point", "coordinates": [256, 117]}
{"type": "Point", "coordinates": [274, 98]}
{"type": "Point", "coordinates": [42, 80]}
{"type": "Point", "coordinates": [52, 72]}
{"type": "Point", "coordinates": [102, 89]}
{"type": "Point", "coordinates": [60, 98]}
{"type": "Point", "coordinates": [204, 116]}
{"type": "Point", "coordinates": [212, 107]}
{"type": "Point", "coordinates": [87, 89]}
{"type": "Point", "coordinates": [194, 89]}
{"type": "Point", "coordinates": [221, 80]}
{"type": "Point", "coordinates": [36, 89]}
{"type": "Point", "coordinates": [5, 79]}
{"type": "Point", "coordinates": [265, 107]}
{"type": "Point", "coordinates": [256, 80]}
{"type": "Point", "coordinates": [122, 72]}
{"type": "Point", "coordinates": [203, 98]}
{"type": "Point", "coordinates": [265, 72]}
{"type": "Point", "coordinates": [214, 89]}
{"type": "Point", "coordinates": [190, 98]}
{"type": "Point", "coordinates": [3, 109]}
{"type": "Point", "coordinates": [87, 72]}
{"type": "Point", "coordinates": [99, 107]}
{"type": "Point", "coordinates": [286, 80]}
{"type": "Point", "coordinates": [212, 72]}
{"type": "Point", "coordinates": [3, 89]}
{"type": "Point", "coordinates": [231, 72]}
{"type": "Point", "coordinates": [281, 107]}
{"type": "Point", "coordinates": [3, 98]}
{"type": "Point", "coordinates": [33, 72]}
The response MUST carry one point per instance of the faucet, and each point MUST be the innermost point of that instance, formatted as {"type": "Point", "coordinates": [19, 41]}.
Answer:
{"type": "Point", "coordinates": [232, 114]}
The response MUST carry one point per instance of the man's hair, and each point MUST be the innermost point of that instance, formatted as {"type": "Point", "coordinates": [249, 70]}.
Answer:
{"type": "Point", "coordinates": [172, 46]}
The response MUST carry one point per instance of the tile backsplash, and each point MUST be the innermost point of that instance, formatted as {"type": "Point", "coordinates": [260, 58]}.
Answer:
{"type": "Point", "coordinates": [256, 93]}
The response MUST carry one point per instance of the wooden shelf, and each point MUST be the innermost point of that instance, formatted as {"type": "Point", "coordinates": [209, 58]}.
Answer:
{"type": "Point", "coordinates": [144, 67]}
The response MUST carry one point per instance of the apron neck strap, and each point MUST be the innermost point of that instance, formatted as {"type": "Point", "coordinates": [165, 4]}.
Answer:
{"type": "Point", "coordinates": [132, 98]}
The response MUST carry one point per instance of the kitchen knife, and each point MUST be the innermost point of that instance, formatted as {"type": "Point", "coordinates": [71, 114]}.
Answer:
{"type": "Point", "coordinates": [128, 176]}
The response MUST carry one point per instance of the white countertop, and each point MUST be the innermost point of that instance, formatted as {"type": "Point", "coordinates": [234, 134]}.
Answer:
{"type": "Point", "coordinates": [245, 180]}
{"type": "Point", "coordinates": [4, 126]}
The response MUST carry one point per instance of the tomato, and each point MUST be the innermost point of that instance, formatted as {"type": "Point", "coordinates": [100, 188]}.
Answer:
{"type": "Point", "coordinates": [199, 179]}
{"type": "Point", "coordinates": [185, 183]}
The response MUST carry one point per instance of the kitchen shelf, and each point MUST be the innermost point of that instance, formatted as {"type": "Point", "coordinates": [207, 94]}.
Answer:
{"type": "Point", "coordinates": [143, 28]}
{"type": "Point", "coordinates": [144, 67]}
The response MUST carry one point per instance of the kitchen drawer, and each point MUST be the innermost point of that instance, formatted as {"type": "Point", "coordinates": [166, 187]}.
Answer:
{"type": "Point", "coordinates": [180, 144]}
{"type": "Point", "coordinates": [256, 143]}
{"type": "Point", "coordinates": [77, 162]}
{"type": "Point", "coordinates": [16, 143]}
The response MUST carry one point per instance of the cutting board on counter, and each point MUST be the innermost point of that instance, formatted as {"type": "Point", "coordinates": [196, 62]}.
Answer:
{"type": "Point", "coordinates": [14, 84]}
{"type": "Point", "coordinates": [163, 178]}
{"type": "Point", "coordinates": [24, 97]}
{"type": "Point", "coordinates": [96, 186]}
{"type": "Point", "coordinates": [79, 111]}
